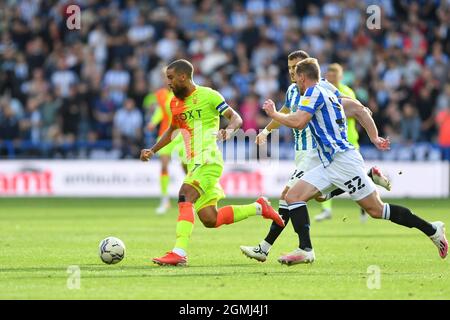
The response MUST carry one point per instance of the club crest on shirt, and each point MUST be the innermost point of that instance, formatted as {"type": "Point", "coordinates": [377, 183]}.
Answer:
{"type": "Point", "coordinates": [304, 102]}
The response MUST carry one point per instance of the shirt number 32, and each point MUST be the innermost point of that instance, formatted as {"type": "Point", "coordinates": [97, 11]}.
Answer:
{"type": "Point", "coordinates": [354, 184]}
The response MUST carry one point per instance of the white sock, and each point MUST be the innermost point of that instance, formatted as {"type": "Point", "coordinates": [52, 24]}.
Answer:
{"type": "Point", "coordinates": [180, 252]}
{"type": "Point", "coordinates": [265, 246]}
{"type": "Point", "coordinates": [258, 209]}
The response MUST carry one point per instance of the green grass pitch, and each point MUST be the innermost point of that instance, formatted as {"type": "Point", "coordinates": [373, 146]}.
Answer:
{"type": "Point", "coordinates": [41, 238]}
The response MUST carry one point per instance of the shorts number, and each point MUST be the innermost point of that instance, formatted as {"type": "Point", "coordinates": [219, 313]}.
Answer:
{"type": "Point", "coordinates": [297, 174]}
{"type": "Point", "coordinates": [351, 187]}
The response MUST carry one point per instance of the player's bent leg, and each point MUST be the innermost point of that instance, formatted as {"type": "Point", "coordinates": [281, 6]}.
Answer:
{"type": "Point", "coordinates": [235, 213]}
{"type": "Point", "coordinates": [372, 204]}
{"type": "Point", "coordinates": [302, 191]}
{"type": "Point", "coordinates": [275, 229]}
{"type": "Point", "coordinates": [261, 251]}
{"type": "Point", "coordinates": [185, 225]}
{"type": "Point", "coordinates": [284, 193]}
{"type": "Point", "coordinates": [208, 216]}
{"type": "Point", "coordinates": [188, 193]}
{"type": "Point", "coordinates": [205, 179]}
{"type": "Point", "coordinates": [403, 216]}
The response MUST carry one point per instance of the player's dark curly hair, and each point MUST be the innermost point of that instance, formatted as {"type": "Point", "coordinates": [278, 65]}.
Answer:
{"type": "Point", "coordinates": [182, 66]}
{"type": "Point", "coordinates": [298, 54]}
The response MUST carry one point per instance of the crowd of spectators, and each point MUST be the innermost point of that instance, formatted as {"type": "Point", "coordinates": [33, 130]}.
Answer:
{"type": "Point", "coordinates": [64, 90]}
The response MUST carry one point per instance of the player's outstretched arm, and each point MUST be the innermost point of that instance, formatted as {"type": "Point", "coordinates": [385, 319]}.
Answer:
{"type": "Point", "coordinates": [234, 123]}
{"type": "Point", "coordinates": [166, 138]}
{"type": "Point", "coordinates": [351, 98]}
{"type": "Point", "coordinates": [352, 106]}
{"type": "Point", "coordinates": [261, 138]}
{"type": "Point", "coordinates": [364, 117]}
{"type": "Point", "coordinates": [296, 120]}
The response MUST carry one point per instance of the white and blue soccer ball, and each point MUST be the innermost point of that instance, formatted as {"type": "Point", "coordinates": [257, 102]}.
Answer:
{"type": "Point", "coordinates": [111, 250]}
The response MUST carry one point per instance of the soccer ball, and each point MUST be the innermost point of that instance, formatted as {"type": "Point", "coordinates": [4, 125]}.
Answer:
{"type": "Point", "coordinates": [111, 250]}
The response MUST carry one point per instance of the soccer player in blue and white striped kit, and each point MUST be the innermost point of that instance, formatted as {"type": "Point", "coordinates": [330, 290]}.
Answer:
{"type": "Point", "coordinates": [342, 166]}
{"type": "Point", "coordinates": [306, 156]}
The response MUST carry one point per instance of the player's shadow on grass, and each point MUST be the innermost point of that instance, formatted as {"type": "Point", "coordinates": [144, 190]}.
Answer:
{"type": "Point", "coordinates": [104, 267]}
{"type": "Point", "coordinates": [144, 271]}
{"type": "Point", "coordinates": [367, 235]}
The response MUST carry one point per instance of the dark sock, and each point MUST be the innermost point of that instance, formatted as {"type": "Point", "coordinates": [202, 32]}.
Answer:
{"type": "Point", "coordinates": [404, 216]}
{"type": "Point", "coordinates": [275, 230]}
{"type": "Point", "coordinates": [336, 192]}
{"type": "Point", "coordinates": [300, 222]}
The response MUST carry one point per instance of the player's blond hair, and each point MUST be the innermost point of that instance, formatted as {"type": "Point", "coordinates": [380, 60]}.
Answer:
{"type": "Point", "coordinates": [336, 67]}
{"type": "Point", "coordinates": [309, 67]}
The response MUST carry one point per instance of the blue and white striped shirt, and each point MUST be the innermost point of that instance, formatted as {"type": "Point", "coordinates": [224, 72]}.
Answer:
{"type": "Point", "coordinates": [303, 139]}
{"type": "Point", "coordinates": [328, 124]}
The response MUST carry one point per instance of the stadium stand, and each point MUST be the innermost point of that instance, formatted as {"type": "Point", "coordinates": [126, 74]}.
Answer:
{"type": "Point", "coordinates": [70, 93]}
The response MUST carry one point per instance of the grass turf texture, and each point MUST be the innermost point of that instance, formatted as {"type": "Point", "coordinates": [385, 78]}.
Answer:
{"type": "Point", "coordinates": [42, 237]}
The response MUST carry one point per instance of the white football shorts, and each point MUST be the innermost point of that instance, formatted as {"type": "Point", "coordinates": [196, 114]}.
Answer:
{"type": "Point", "coordinates": [305, 160]}
{"type": "Point", "coordinates": [346, 172]}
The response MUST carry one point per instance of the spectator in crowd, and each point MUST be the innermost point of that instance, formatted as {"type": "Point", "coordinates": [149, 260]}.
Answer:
{"type": "Point", "coordinates": [128, 126]}
{"type": "Point", "coordinates": [70, 116]}
{"type": "Point", "coordinates": [30, 124]}
{"type": "Point", "coordinates": [410, 124]}
{"type": "Point", "coordinates": [167, 47]}
{"type": "Point", "coordinates": [139, 89]}
{"type": "Point", "coordinates": [98, 43]}
{"type": "Point", "coordinates": [238, 47]}
{"type": "Point", "coordinates": [438, 62]}
{"type": "Point", "coordinates": [250, 111]}
{"type": "Point", "coordinates": [104, 110]}
{"type": "Point", "coordinates": [63, 78]}
{"type": "Point", "coordinates": [243, 79]}
{"type": "Point", "coordinates": [117, 80]}
{"type": "Point", "coordinates": [391, 122]}
{"type": "Point", "coordinates": [9, 128]}
{"type": "Point", "coordinates": [140, 31]}
{"type": "Point", "coordinates": [49, 108]}
{"type": "Point", "coordinates": [426, 103]}
{"type": "Point", "coordinates": [443, 100]}
{"type": "Point", "coordinates": [37, 85]}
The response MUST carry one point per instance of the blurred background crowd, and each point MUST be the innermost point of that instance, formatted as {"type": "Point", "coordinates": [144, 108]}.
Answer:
{"type": "Point", "coordinates": [82, 93]}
